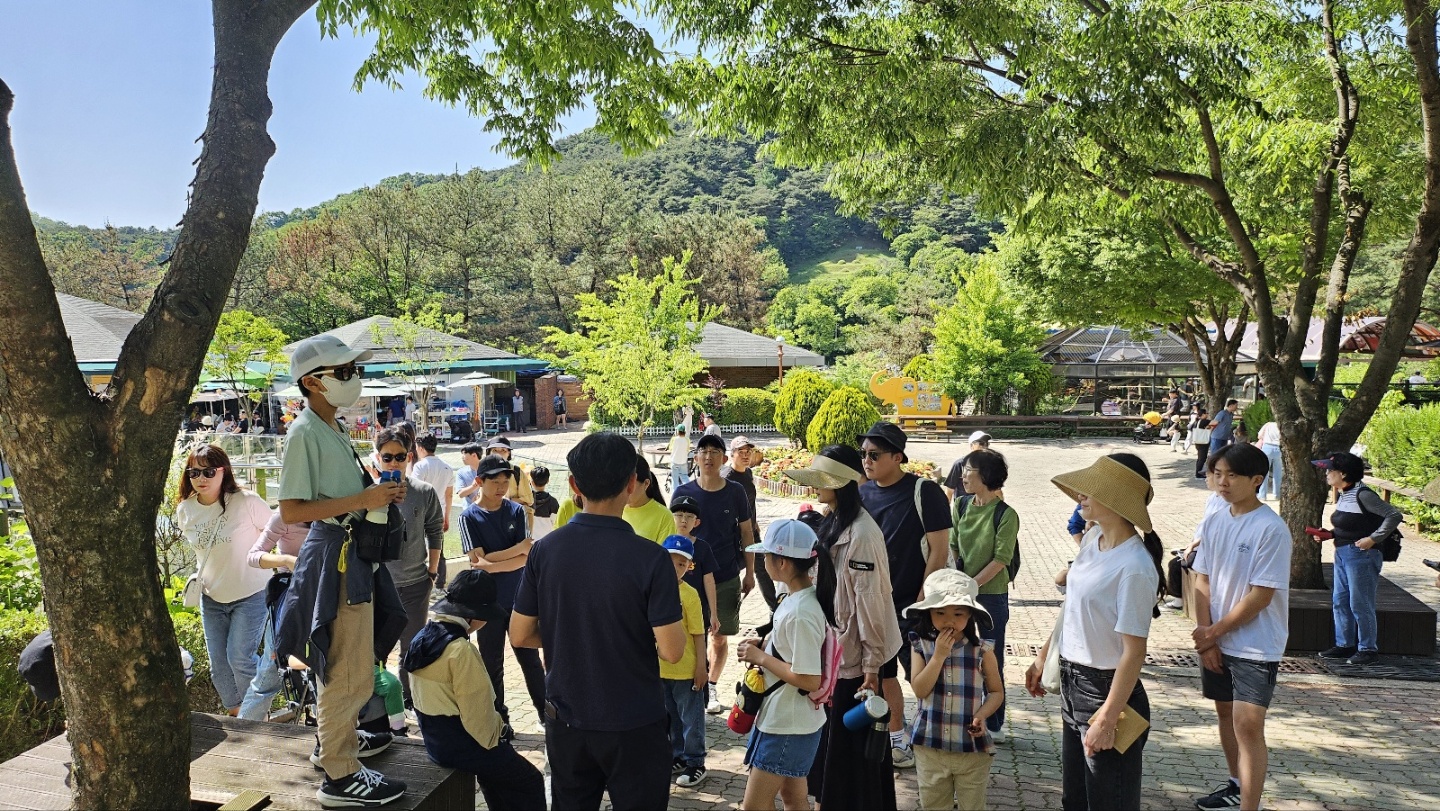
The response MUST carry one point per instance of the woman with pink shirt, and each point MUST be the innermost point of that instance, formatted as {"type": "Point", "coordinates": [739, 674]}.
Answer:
{"type": "Point", "coordinates": [276, 548]}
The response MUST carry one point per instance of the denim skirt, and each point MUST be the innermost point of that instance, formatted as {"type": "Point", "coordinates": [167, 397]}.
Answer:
{"type": "Point", "coordinates": [785, 755]}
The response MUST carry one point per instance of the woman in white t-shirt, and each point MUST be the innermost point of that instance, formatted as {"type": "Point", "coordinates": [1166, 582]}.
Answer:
{"type": "Point", "coordinates": [787, 728]}
{"type": "Point", "coordinates": [1111, 595]}
{"type": "Point", "coordinates": [222, 522]}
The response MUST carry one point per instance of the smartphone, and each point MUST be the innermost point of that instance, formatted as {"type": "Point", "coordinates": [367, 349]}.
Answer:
{"type": "Point", "coordinates": [389, 476]}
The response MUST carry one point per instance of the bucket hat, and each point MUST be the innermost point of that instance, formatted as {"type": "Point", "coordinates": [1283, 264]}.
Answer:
{"type": "Point", "coordinates": [1114, 485]}
{"type": "Point", "coordinates": [472, 594]}
{"type": "Point", "coordinates": [826, 473]}
{"type": "Point", "coordinates": [888, 433]}
{"type": "Point", "coordinates": [952, 587]}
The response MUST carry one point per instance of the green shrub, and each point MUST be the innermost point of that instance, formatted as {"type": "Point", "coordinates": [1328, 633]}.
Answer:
{"type": "Point", "coordinates": [800, 398]}
{"type": "Point", "coordinates": [1255, 416]}
{"type": "Point", "coordinates": [24, 722]}
{"type": "Point", "coordinates": [191, 636]}
{"type": "Point", "coordinates": [748, 407]}
{"type": "Point", "coordinates": [20, 587]}
{"type": "Point", "coordinates": [846, 414]}
{"type": "Point", "coordinates": [1403, 445]}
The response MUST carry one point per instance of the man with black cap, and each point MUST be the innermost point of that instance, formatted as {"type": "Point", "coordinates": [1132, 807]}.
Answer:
{"type": "Point", "coordinates": [494, 534]}
{"type": "Point", "coordinates": [725, 524]}
{"type": "Point", "coordinates": [914, 515]}
{"type": "Point", "coordinates": [455, 699]}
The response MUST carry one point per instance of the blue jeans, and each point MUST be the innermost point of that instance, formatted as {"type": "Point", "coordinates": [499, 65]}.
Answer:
{"type": "Point", "coordinates": [263, 688]}
{"type": "Point", "coordinates": [1217, 443]}
{"type": "Point", "coordinates": [232, 636]}
{"type": "Point", "coordinates": [679, 474]}
{"type": "Point", "coordinates": [1271, 484]}
{"type": "Point", "coordinates": [1357, 578]}
{"type": "Point", "coordinates": [999, 607]}
{"type": "Point", "coordinates": [686, 707]}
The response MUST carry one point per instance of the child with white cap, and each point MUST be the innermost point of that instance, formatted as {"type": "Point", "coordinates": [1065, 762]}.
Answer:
{"type": "Point", "coordinates": [787, 727]}
{"type": "Point", "coordinates": [957, 685]}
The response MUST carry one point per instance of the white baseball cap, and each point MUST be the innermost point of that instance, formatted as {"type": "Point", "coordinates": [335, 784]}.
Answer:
{"type": "Point", "coordinates": [322, 352]}
{"type": "Point", "coordinates": [979, 436]}
{"type": "Point", "coordinates": [788, 538]}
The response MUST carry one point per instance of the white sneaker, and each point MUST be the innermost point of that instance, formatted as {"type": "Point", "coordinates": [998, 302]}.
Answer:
{"type": "Point", "coordinates": [903, 755]}
{"type": "Point", "coordinates": [714, 707]}
{"type": "Point", "coordinates": [1175, 603]}
{"type": "Point", "coordinates": [998, 735]}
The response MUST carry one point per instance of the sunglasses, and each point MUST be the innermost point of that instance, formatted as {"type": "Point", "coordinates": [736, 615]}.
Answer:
{"type": "Point", "coordinates": [874, 456]}
{"type": "Point", "coordinates": [395, 457]}
{"type": "Point", "coordinates": [341, 373]}
{"type": "Point", "coordinates": [197, 472]}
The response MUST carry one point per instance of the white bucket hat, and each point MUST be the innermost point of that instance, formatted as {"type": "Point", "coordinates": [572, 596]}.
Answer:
{"type": "Point", "coordinates": [953, 587]}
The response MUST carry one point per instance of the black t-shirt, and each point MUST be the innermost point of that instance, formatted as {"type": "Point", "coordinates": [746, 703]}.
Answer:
{"type": "Point", "coordinates": [704, 564]}
{"type": "Point", "coordinates": [495, 532]}
{"type": "Point", "coordinates": [893, 508]}
{"type": "Point", "coordinates": [745, 479]}
{"type": "Point", "coordinates": [721, 514]}
{"type": "Point", "coordinates": [955, 478]}
{"type": "Point", "coordinates": [599, 591]}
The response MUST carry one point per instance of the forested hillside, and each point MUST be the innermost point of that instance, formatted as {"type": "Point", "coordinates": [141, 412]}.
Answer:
{"type": "Point", "coordinates": [509, 250]}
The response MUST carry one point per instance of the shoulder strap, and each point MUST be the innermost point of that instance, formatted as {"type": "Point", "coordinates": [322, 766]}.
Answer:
{"type": "Point", "coordinates": [1000, 509]}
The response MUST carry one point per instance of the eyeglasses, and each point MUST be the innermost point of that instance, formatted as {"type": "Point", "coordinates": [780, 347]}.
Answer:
{"type": "Point", "coordinates": [341, 373]}
{"type": "Point", "coordinates": [874, 456]}
{"type": "Point", "coordinates": [967, 470]}
{"type": "Point", "coordinates": [395, 457]}
{"type": "Point", "coordinates": [207, 472]}
{"type": "Point", "coordinates": [710, 452]}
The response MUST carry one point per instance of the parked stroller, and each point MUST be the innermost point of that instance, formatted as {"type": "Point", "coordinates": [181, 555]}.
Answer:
{"type": "Point", "coordinates": [298, 689]}
{"type": "Point", "coordinates": [1148, 431]}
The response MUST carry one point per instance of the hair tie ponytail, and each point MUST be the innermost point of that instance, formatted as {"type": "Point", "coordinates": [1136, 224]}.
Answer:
{"type": "Point", "coordinates": [1157, 555]}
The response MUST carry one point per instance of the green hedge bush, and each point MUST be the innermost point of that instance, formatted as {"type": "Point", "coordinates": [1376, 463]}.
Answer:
{"type": "Point", "coordinates": [846, 414]}
{"type": "Point", "coordinates": [1403, 445]}
{"type": "Point", "coordinates": [748, 407]}
{"type": "Point", "coordinates": [1256, 415]}
{"type": "Point", "coordinates": [800, 398]}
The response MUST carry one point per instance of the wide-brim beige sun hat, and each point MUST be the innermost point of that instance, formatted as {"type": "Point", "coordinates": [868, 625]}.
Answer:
{"type": "Point", "coordinates": [1114, 485]}
{"type": "Point", "coordinates": [953, 587]}
{"type": "Point", "coordinates": [825, 473]}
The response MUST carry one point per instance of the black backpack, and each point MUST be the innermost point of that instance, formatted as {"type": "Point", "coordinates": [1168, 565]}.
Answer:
{"type": "Point", "coordinates": [1390, 544]}
{"type": "Point", "coordinates": [1000, 509]}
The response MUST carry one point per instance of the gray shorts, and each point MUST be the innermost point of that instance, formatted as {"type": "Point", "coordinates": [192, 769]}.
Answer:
{"type": "Point", "coordinates": [1246, 680]}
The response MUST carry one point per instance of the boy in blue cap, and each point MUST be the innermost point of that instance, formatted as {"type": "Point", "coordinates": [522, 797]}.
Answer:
{"type": "Point", "coordinates": [686, 680]}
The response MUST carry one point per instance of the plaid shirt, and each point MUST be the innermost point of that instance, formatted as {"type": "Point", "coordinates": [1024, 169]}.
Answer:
{"type": "Point", "coordinates": [941, 718]}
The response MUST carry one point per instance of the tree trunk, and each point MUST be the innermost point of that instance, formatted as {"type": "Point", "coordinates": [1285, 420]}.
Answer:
{"type": "Point", "coordinates": [93, 470]}
{"type": "Point", "coordinates": [1302, 502]}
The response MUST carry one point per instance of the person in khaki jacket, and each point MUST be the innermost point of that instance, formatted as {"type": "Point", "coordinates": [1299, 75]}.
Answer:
{"type": "Point", "coordinates": [455, 702]}
{"type": "Point", "coordinates": [866, 624]}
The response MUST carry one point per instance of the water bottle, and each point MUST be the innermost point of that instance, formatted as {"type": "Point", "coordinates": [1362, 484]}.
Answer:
{"type": "Point", "coordinates": [381, 515]}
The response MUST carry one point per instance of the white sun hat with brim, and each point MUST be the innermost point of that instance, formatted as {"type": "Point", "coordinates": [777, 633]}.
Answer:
{"type": "Point", "coordinates": [952, 587]}
{"type": "Point", "coordinates": [825, 473]}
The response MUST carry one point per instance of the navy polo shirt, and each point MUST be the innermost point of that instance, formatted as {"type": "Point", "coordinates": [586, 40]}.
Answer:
{"type": "Point", "coordinates": [599, 591]}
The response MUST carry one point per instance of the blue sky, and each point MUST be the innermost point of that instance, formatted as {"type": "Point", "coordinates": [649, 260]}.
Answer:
{"type": "Point", "coordinates": [111, 94]}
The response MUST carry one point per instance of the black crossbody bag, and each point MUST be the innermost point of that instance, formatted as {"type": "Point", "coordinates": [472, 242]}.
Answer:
{"type": "Point", "coordinates": [375, 543]}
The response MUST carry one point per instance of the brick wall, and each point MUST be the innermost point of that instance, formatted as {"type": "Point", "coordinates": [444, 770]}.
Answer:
{"type": "Point", "coordinates": [577, 404]}
{"type": "Point", "coordinates": [741, 377]}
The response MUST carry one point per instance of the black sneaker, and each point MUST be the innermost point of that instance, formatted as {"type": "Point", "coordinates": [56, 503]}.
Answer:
{"type": "Point", "coordinates": [1227, 796]}
{"type": "Point", "coordinates": [1337, 652]}
{"type": "Point", "coordinates": [677, 766]}
{"type": "Point", "coordinates": [371, 743]}
{"type": "Point", "coordinates": [364, 789]}
{"type": "Point", "coordinates": [1434, 564]}
{"type": "Point", "coordinates": [1364, 657]}
{"type": "Point", "coordinates": [691, 777]}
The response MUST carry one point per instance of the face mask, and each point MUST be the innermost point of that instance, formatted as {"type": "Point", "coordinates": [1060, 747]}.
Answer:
{"type": "Point", "coordinates": [342, 394]}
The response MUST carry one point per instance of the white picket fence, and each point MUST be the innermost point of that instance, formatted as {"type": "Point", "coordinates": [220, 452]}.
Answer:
{"type": "Point", "coordinates": [658, 431]}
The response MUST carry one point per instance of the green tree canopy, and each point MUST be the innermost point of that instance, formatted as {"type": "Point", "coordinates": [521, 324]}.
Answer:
{"type": "Point", "coordinates": [986, 344]}
{"type": "Point", "coordinates": [242, 337]}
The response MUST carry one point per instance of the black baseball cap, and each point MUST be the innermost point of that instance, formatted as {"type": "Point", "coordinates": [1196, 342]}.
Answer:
{"type": "Point", "coordinates": [711, 441]}
{"type": "Point", "coordinates": [685, 504]}
{"type": "Point", "coordinates": [888, 434]}
{"type": "Point", "coordinates": [492, 465]}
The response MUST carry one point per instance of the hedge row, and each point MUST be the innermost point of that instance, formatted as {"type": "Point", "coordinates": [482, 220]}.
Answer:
{"type": "Point", "coordinates": [1403, 445]}
{"type": "Point", "coordinates": [25, 724]}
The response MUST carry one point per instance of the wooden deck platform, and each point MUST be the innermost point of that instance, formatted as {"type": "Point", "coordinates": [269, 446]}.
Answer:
{"type": "Point", "coordinates": [1406, 625]}
{"type": "Point", "coordinates": [229, 756]}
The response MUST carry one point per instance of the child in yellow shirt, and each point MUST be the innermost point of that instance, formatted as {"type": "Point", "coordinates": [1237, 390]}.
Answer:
{"type": "Point", "coordinates": [686, 680]}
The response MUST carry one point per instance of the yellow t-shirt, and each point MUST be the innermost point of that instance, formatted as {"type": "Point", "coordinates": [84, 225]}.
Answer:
{"type": "Point", "coordinates": [653, 521]}
{"type": "Point", "coordinates": [684, 670]}
{"type": "Point", "coordinates": [568, 509]}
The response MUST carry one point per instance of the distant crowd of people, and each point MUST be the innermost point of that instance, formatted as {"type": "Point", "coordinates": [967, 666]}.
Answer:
{"type": "Point", "coordinates": [620, 605]}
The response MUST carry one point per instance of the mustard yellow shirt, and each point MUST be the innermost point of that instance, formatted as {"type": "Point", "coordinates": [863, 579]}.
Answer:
{"type": "Point", "coordinates": [684, 670]}
{"type": "Point", "coordinates": [458, 684]}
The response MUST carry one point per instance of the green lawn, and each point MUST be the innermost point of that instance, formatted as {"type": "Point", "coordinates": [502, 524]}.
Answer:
{"type": "Point", "coordinates": [839, 262]}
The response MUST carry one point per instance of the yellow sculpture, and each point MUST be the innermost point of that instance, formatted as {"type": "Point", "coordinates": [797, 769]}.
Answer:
{"type": "Point", "coordinates": [913, 399]}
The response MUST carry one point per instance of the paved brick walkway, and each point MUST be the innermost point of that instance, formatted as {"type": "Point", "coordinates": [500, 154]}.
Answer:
{"type": "Point", "coordinates": [1334, 743]}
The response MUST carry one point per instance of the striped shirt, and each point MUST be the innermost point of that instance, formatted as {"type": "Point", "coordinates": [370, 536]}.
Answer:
{"type": "Point", "coordinates": [941, 717]}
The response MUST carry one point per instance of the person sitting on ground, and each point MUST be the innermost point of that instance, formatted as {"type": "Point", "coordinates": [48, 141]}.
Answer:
{"type": "Point", "coordinates": [455, 700]}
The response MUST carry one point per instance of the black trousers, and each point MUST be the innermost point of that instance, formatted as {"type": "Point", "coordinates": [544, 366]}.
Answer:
{"type": "Point", "coordinates": [491, 640]}
{"type": "Point", "coordinates": [1202, 452]}
{"type": "Point", "coordinates": [840, 771]}
{"type": "Point", "coordinates": [1109, 779]}
{"type": "Point", "coordinates": [416, 600]}
{"type": "Point", "coordinates": [508, 781]}
{"type": "Point", "coordinates": [633, 766]}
